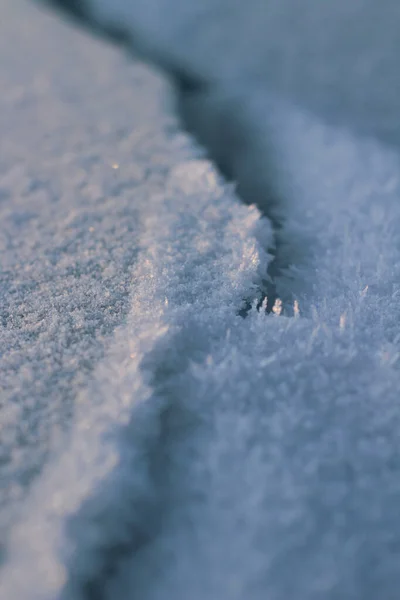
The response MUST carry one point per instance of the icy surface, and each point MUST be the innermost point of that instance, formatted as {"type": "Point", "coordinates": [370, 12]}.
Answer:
{"type": "Point", "coordinates": [207, 456]}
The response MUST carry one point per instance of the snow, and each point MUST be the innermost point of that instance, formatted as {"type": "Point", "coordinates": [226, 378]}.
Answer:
{"type": "Point", "coordinates": [161, 445]}
{"type": "Point", "coordinates": [68, 224]}
{"type": "Point", "coordinates": [337, 58]}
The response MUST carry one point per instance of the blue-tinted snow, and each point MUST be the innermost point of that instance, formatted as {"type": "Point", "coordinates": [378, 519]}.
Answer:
{"type": "Point", "coordinates": [212, 456]}
{"type": "Point", "coordinates": [69, 222]}
{"type": "Point", "coordinates": [337, 57]}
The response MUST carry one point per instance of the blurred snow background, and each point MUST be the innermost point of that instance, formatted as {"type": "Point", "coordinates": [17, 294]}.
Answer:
{"type": "Point", "coordinates": [337, 58]}
{"type": "Point", "coordinates": [176, 449]}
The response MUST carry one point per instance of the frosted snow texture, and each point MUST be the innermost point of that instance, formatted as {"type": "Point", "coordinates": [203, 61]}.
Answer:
{"type": "Point", "coordinates": [335, 59]}
{"type": "Point", "coordinates": [211, 456]}
{"type": "Point", "coordinates": [68, 223]}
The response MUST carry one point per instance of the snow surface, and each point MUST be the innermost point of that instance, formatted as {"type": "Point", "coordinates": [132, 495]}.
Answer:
{"type": "Point", "coordinates": [69, 222]}
{"type": "Point", "coordinates": [336, 57]}
{"type": "Point", "coordinates": [180, 450]}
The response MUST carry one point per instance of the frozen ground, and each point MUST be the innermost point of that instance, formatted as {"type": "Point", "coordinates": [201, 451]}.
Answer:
{"type": "Point", "coordinates": [156, 444]}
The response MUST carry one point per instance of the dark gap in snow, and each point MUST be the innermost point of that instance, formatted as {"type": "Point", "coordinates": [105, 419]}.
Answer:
{"type": "Point", "coordinates": [136, 522]}
{"type": "Point", "coordinates": [138, 534]}
{"type": "Point", "coordinates": [224, 138]}
{"type": "Point", "coordinates": [78, 11]}
{"type": "Point", "coordinates": [141, 483]}
{"type": "Point", "coordinates": [75, 9]}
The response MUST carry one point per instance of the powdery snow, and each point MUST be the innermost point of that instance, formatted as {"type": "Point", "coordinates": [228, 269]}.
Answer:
{"type": "Point", "coordinates": [68, 222]}
{"type": "Point", "coordinates": [211, 456]}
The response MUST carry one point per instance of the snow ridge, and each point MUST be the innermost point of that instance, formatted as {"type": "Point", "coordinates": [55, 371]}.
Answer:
{"type": "Point", "coordinates": [226, 458]}
{"type": "Point", "coordinates": [187, 289]}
